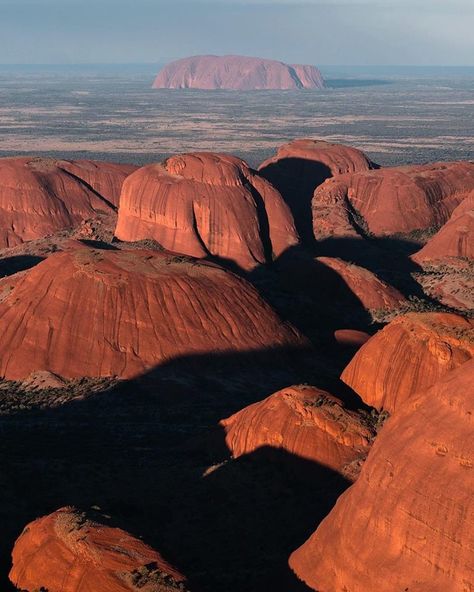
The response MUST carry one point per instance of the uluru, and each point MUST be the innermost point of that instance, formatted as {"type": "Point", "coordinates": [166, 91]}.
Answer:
{"type": "Point", "coordinates": [232, 72]}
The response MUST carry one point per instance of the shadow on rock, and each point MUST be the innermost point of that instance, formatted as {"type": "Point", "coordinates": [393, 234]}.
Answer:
{"type": "Point", "coordinates": [140, 450]}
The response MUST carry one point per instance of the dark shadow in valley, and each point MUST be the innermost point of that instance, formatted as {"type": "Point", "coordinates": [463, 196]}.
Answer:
{"type": "Point", "coordinates": [17, 263]}
{"type": "Point", "coordinates": [296, 179]}
{"type": "Point", "coordinates": [140, 450]}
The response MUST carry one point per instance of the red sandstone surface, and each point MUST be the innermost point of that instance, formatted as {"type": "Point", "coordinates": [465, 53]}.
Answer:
{"type": "Point", "coordinates": [68, 552]}
{"type": "Point", "coordinates": [454, 239]}
{"type": "Point", "coordinates": [302, 420]}
{"type": "Point", "coordinates": [391, 201]}
{"type": "Point", "coordinates": [412, 353]}
{"type": "Point", "coordinates": [237, 73]}
{"type": "Point", "coordinates": [373, 293]}
{"type": "Point", "coordinates": [205, 205]}
{"type": "Point", "coordinates": [406, 524]}
{"type": "Point", "coordinates": [92, 312]}
{"type": "Point", "coordinates": [40, 196]}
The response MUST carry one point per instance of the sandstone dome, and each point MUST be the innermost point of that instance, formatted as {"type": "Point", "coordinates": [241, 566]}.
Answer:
{"type": "Point", "coordinates": [95, 312]}
{"type": "Point", "coordinates": [407, 522]}
{"type": "Point", "coordinates": [40, 196]}
{"type": "Point", "coordinates": [67, 551]}
{"type": "Point", "coordinates": [305, 421]}
{"type": "Point", "coordinates": [391, 201]}
{"type": "Point", "coordinates": [207, 205]}
{"type": "Point", "coordinates": [300, 166]}
{"type": "Point", "coordinates": [411, 353]}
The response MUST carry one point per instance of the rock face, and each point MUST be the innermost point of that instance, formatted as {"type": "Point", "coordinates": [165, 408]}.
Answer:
{"type": "Point", "coordinates": [407, 523]}
{"type": "Point", "coordinates": [68, 552]}
{"type": "Point", "coordinates": [306, 422]}
{"type": "Point", "coordinates": [237, 73]}
{"type": "Point", "coordinates": [371, 291]}
{"type": "Point", "coordinates": [205, 205]}
{"type": "Point", "coordinates": [41, 196]}
{"type": "Point", "coordinates": [91, 312]}
{"type": "Point", "coordinates": [455, 239]}
{"type": "Point", "coordinates": [300, 166]}
{"type": "Point", "coordinates": [399, 200]}
{"type": "Point", "coordinates": [413, 352]}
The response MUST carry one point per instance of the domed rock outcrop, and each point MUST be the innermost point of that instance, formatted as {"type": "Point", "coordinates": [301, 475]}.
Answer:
{"type": "Point", "coordinates": [407, 523]}
{"type": "Point", "coordinates": [304, 421]}
{"type": "Point", "coordinates": [68, 552]}
{"type": "Point", "coordinates": [373, 293]}
{"type": "Point", "coordinates": [237, 73]}
{"type": "Point", "coordinates": [300, 166]}
{"type": "Point", "coordinates": [40, 196]}
{"type": "Point", "coordinates": [391, 201]}
{"type": "Point", "coordinates": [454, 239]}
{"type": "Point", "coordinates": [91, 312]}
{"type": "Point", "coordinates": [203, 205]}
{"type": "Point", "coordinates": [411, 353]}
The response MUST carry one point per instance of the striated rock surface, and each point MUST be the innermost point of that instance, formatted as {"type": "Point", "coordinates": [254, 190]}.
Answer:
{"type": "Point", "coordinates": [411, 353]}
{"type": "Point", "coordinates": [408, 521]}
{"type": "Point", "coordinates": [206, 204]}
{"type": "Point", "coordinates": [40, 196]}
{"type": "Point", "coordinates": [300, 166]}
{"type": "Point", "coordinates": [68, 552]}
{"type": "Point", "coordinates": [373, 293]}
{"type": "Point", "coordinates": [91, 312]}
{"type": "Point", "coordinates": [454, 239]}
{"type": "Point", "coordinates": [304, 421]}
{"type": "Point", "coordinates": [391, 201]}
{"type": "Point", "coordinates": [237, 73]}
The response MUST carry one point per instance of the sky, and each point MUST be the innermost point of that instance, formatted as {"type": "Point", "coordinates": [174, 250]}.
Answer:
{"type": "Point", "coordinates": [321, 32]}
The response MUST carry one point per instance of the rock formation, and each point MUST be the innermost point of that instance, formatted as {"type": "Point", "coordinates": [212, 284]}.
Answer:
{"type": "Point", "coordinates": [407, 523]}
{"type": "Point", "coordinates": [454, 239]}
{"type": "Point", "coordinates": [300, 166]}
{"type": "Point", "coordinates": [41, 196]}
{"type": "Point", "coordinates": [68, 552]}
{"type": "Point", "coordinates": [237, 73]}
{"type": "Point", "coordinates": [92, 312]}
{"type": "Point", "coordinates": [411, 353]}
{"type": "Point", "coordinates": [372, 293]}
{"type": "Point", "coordinates": [304, 421]}
{"type": "Point", "coordinates": [205, 205]}
{"type": "Point", "coordinates": [391, 201]}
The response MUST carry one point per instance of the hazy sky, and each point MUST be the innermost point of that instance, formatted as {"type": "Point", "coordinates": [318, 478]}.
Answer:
{"type": "Point", "coordinates": [420, 32]}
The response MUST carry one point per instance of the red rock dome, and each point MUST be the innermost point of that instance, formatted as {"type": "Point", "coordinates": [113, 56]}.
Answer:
{"type": "Point", "coordinates": [373, 293]}
{"type": "Point", "coordinates": [454, 239]}
{"type": "Point", "coordinates": [40, 196]}
{"type": "Point", "coordinates": [91, 312]}
{"type": "Point", "coordinates": [204, 205]}
{"type": "Point", "coordinates": [68, 552]}
{"type": "Point", "coordinates": [399, 200]}
{"type": "Point", "coordinates": [300, 166]}
{"type": "Point", "coordinates": [411, 353]}
{"type": "Point", "coordinates": [305, 421]}
{"type": "Point", "coordinates": [407, 523]}
{"type": "Point", "coordinates": [237, 73]}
